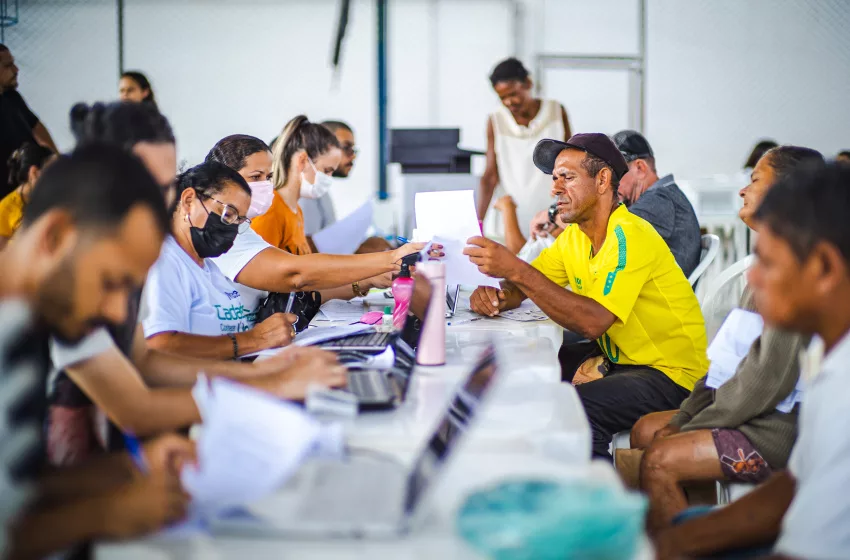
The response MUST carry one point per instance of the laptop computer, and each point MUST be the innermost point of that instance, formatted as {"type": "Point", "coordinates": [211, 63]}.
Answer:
{"type": "Point", "coordinates": [367, 495]}
{"type": "Point", "coordinates": [377, 342]}
{"type": "Point", "coordinates": [385, 388]}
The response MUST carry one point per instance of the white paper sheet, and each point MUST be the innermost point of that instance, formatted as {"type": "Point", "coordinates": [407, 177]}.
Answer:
{"type": "Point", "coordinates": [344, 236]}
{"type": "Point", "coordinates": [459, 269]}
{"type": "Point", "coordinates": [317, 335]}
{"type": "Point", "coordinates": [449, 214]}
{"type": "Point", "coordinates": [250, 445]}
{"type": "Point", "coordinates": [731, 344]}
{"type": "Point", "coordinates": [339, 310]}
{"type": "Point", "coordinates": [527, 312]}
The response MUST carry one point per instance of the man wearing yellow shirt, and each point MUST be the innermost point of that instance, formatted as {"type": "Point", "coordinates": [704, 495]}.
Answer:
{"type": "Point", "coordinates": [628, 294]}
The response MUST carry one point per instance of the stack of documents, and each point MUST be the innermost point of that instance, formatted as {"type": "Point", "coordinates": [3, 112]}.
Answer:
{"type": "Point", "coordinates": [449, 219]}
{"type": "Point", "coordinates": [250, 445]}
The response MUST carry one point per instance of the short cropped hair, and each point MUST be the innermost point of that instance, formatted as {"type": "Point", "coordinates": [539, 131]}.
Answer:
{"type": "Point", "coordinates": [98, 185]}
{"type": "Point", "coordinates": [508, 70]}
{"type": "Point", "coordinates": [593, 165]}
{"type": "Point", "coordinates": [809, 206]}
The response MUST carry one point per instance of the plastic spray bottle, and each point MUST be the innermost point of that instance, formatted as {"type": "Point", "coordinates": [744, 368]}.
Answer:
{"type": "Point", "coordinates": [402, 293]}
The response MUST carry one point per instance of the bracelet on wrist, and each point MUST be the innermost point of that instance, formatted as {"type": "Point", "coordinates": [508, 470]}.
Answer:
{"type": "Point", "coordinates": [355, 287]}
{"type": "Point", "coordinates": [235, 346]}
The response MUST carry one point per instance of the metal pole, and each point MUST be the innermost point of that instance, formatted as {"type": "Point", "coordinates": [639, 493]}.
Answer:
{"type": "Point", "coordinates": [383, 147]}
{"type": "Point", "coordinates": [642, 23]}
{"type": "Point", "coordinates": [120, 7]}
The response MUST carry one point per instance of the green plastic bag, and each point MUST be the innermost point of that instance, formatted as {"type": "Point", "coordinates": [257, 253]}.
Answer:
{"type": "Point", "coordinates": [544, 520]}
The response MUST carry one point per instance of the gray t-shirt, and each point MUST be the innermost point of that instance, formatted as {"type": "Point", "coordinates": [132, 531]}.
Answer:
{"type": "Point", "coordinates": [318, 213]}
{"type": "Point", "coordinates": [667, 208]}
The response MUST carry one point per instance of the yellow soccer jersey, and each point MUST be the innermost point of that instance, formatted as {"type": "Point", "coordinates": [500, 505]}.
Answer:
{"type": "Point", "coordinates": [635, 276]}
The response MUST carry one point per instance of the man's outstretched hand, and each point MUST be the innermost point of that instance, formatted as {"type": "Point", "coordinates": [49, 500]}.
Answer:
{"type": "Point", "coordinates": [491, 258]}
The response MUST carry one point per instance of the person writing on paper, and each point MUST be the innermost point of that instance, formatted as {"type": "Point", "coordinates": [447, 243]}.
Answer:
{"type": "Point", "coordinates": [800, 282]}
{"type": "Point", "coordinates": [25, 166]}
{"type": "Point", "coordinates": [512, 132]}
{"type": "Point", "coordinates": [629, 297]}
{"type": "Point", "coordinates": [255, 264]}
{"type": "Point", "coordinates": [141, 389]}
{"type": "Point", "coordinates": [194, 309]}
{"type": "Point", "coordinates": [319, 212]}
{"type": "Point", "coordinates": [705, 439]}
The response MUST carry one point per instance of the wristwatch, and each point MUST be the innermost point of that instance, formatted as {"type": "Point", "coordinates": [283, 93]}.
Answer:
{"type": "Point", "coordinates": [355, 287]}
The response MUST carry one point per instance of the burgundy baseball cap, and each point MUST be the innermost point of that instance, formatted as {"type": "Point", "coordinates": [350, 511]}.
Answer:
{"type": "Point", "coordinates": [546, 151]}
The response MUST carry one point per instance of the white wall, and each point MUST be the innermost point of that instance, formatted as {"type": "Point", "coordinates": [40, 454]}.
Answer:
{"type": "Point", "coordinates": [720, 74]}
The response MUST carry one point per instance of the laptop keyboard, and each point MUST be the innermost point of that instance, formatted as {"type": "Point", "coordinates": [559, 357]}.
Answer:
{"type": "Point", "coordinates": [364, 340]}
{"type": "Point", "coordinates": [349, 492]}
{"type": "Point", "coordinates": [369, 385]}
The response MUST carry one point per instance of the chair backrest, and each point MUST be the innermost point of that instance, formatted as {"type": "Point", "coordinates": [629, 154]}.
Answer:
{"type": "Point", "coordinates": [723, 294]}
{"type": "Point", "coordinates": [710, 244]}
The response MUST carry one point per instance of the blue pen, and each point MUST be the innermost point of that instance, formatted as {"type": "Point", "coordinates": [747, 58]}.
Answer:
{"type": "Point", "coordinates": [134, 448]}
{"type": "Point", "coordinates": [289, 302]}
{"type": "Point", "coordinates": [402, 239]}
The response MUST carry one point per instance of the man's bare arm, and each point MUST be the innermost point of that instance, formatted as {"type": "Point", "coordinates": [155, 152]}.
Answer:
{"type": "Point", "coordinates": [753, 520]}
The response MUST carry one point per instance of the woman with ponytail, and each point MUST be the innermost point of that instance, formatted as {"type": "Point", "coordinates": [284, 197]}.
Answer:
{"type": "Point", "coordinates": [303, 158]}
{"type": "Point", "coordinates": [260, 266]}
{"type": "Point", "coordinates": [25, 165]}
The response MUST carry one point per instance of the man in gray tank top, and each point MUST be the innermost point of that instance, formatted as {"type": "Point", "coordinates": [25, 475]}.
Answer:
{"type": "Point", "coordinates": [659, 201]}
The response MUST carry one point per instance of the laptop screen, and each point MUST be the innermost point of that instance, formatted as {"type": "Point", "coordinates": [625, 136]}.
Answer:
{"type": "Point", "coordinates": [454, 423]}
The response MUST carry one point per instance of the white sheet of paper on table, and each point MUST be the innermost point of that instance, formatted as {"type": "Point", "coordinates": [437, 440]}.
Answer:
{"type": "Point", "coordinates": [251, 444]}
{"type": "Point", "coordinates": [344, 236]}
{"type": "Point", "coordinates": [527, 312]}
{"type": "Point", "coordinates": [731, 344]}
{"type": "Point", "coordinates": [339, 310]}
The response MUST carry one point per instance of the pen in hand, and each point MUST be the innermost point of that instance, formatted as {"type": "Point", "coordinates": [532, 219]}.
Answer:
{"type": "Point", "coordinates": [290, 302]}
{"type": "Point", "coordinates": [134, 448]}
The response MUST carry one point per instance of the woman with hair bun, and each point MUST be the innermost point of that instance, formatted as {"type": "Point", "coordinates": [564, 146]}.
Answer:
{"type": "Point", "coordinates": [25, 166]}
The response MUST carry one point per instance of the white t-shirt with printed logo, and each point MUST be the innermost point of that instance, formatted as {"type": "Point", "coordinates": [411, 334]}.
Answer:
{"type": "Point", "coordinates": [183, 297]}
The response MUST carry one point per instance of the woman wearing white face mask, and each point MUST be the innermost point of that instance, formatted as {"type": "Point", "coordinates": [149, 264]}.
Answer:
{"type": "Point", "coordinates": [261, 268]}
{"type": "Point", "coordinates": [304, 156]}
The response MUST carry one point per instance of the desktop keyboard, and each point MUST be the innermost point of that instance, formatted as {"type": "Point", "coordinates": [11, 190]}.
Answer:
{"type": "Point", "coordinates": [369, 385]}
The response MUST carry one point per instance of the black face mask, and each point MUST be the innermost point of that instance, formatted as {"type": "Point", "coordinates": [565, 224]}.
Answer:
{"type": "Point", "coordinates": [215, 238]}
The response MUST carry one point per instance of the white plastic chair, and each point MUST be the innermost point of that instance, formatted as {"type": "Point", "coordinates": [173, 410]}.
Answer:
{"type": "Point", "coordinates": [729, 275]}
{"type": "Point", "coordinates": [710, 244]}
{"type": "Point", "coordinates": [621, 440]}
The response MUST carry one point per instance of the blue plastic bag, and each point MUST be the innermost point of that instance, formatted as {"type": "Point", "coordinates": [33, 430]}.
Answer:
{"type": "Point", "coordinates": [543, 520]}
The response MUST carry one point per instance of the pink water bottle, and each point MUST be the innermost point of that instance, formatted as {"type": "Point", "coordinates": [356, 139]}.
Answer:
{"type": "Point", "coordinates": [432, 342]}
{"type": "Point", "coordinates": [402, 294]}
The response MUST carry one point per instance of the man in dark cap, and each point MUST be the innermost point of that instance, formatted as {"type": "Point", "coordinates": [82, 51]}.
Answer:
{"type": "Point", "coordinates": [629, 298]}
{"type": "Point", "coordinates": [658, 201]}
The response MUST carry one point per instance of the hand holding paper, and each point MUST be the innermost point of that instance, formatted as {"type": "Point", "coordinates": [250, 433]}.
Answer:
{"type": "Point", "coordinates": [491, 258]}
